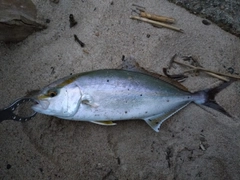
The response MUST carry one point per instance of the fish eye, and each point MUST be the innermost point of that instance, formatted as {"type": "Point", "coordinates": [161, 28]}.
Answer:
{"type": "Point", "coordinates": [51, 93]}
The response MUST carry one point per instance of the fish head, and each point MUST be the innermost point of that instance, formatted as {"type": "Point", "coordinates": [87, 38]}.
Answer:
{"type": "Point", "coordinates": [60, 101]}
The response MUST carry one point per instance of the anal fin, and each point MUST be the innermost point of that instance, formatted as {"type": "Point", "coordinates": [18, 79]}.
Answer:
{"type": "Point", "coordinates": [104, 123]}
{"type": "Point", "coordinates": [156, 121]}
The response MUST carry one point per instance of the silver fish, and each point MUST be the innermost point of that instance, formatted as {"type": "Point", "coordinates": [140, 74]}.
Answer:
{"type": "Point", "coordinates": [108, 95]}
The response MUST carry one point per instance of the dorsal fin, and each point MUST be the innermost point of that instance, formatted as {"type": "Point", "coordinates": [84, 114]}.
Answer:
{"type": "Point", "coordinates": [130, 64]}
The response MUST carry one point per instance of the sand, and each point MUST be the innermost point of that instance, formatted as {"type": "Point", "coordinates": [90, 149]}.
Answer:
{"type": "Point", "coordinates": [196, 143]}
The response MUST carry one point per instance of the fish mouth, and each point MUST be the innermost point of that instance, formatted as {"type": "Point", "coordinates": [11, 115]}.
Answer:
{"type": "Point", "coordinates": [41, 105]}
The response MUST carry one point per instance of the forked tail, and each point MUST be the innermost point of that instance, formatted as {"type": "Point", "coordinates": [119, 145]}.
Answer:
{"type": "Point", "coordinates": [209, 97]}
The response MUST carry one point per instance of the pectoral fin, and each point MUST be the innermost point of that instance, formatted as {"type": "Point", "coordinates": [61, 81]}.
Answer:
{"type": "Point", "coordinates": [156, 121]}
{"type": "Point", "coordinates": [104, 123]}
{"type": "Point", "coordinates": [88, 100]}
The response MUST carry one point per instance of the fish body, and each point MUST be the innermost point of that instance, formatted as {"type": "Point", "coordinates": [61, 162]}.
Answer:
{"type": "Point", "coordinates": [108, 95]}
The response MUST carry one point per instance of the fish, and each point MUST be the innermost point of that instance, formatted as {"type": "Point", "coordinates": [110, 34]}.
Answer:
{"type": "Point", "coordinates": [108, 95]}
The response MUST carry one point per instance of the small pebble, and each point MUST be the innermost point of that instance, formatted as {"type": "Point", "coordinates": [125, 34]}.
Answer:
{"type": "Point", "coordinates": [55, 1]}
{"type": "Point", "coordinates": [8, 166]}
{"type": "Point", "coordinates": [205, 22]}
{"type": "Point", "coordinates": [230, 70]}
{"type": "Point", "coordinates": [41, 170]}
{"type": "Point", "coordinates": [97, 34]}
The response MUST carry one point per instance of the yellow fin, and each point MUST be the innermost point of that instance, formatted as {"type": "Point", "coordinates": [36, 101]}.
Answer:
{"type": "Point", "coordinates": [104, 123]}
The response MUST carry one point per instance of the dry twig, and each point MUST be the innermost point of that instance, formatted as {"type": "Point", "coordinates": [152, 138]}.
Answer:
{"type": "Point", "coordinates": [155, 23]}
{"type": "Point", "coordinates": [210, 72]}
{"type": "Point", "coordinates": [157, 17]}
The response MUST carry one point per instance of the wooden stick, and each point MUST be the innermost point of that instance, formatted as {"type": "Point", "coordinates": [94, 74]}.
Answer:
{"type": "Point", "coordinates": [211, 74]}
{"type": "Point", "coordinates": [207, 70]}
{"type": "Point", "coordinates": [156, 17]}
{"type": "Point", "coordinates": [156, 23]}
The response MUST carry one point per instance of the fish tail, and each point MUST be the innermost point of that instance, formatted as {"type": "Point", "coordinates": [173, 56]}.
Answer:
{"type": "Point", "coordinates": [208, 97]}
